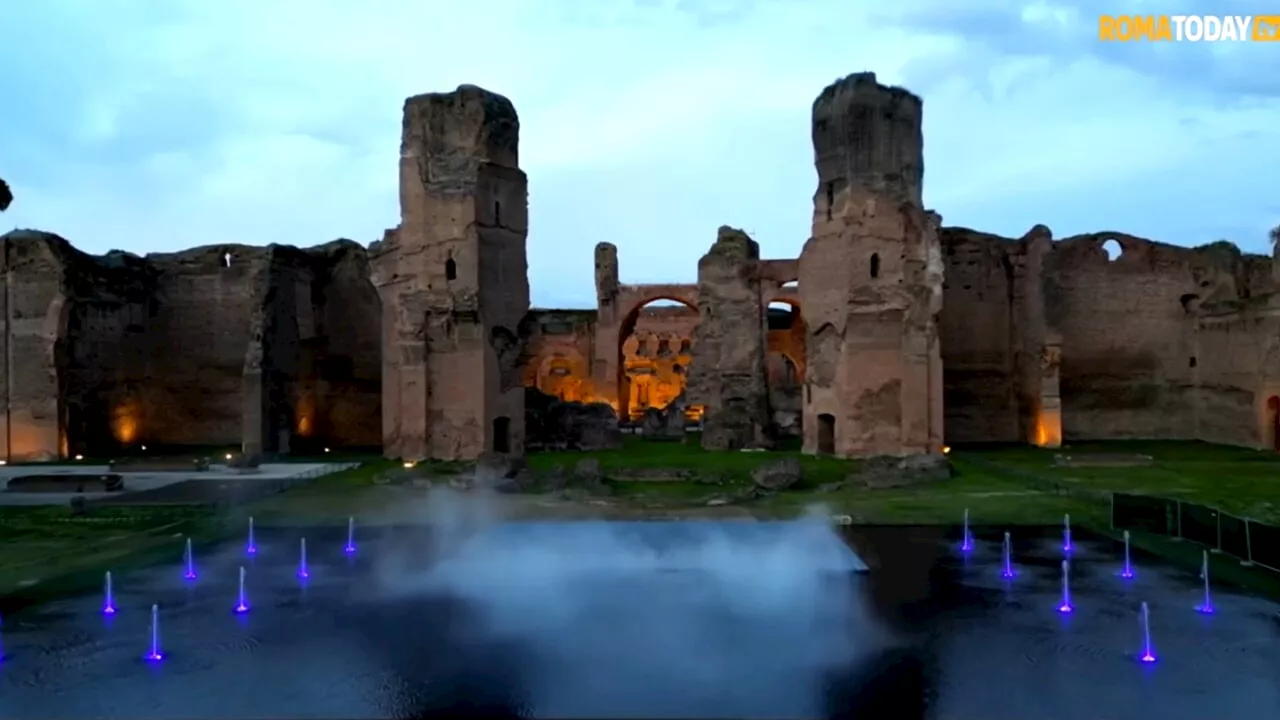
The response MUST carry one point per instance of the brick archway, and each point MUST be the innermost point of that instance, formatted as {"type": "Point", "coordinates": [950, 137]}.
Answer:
{"type": "Point", "coordinates": [613, 330]}
{"type": "Point", "coordinates": [792, 341]}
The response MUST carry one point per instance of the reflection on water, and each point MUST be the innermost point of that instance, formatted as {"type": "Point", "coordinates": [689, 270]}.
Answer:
{"type": "Point", "coordinates": [658, 620]}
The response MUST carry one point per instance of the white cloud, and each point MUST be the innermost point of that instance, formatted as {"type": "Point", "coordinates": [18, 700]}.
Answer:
{"type": "Point", "coordinates": [647, 124]}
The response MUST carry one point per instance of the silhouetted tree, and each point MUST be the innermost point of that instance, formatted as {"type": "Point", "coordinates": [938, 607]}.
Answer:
{"type": "Point", "coordinates": [6, 196]}
{"type": "Point", "coordinates": [1275, 235]}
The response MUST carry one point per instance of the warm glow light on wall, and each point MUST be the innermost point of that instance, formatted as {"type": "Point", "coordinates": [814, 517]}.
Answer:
{"type": "Point", "coordinates": [1048, 432]}
{"type": "Point", "coordinates": [304, 423]}
{"type": "Point", "coordinates": [125, 422]}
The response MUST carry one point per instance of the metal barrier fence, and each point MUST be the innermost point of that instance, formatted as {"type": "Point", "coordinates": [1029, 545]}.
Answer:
{"type": "Point", "coordinates": [1252, 542]}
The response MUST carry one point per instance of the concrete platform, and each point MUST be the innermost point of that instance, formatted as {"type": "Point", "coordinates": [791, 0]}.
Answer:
{"type": "Point", "coordinates": [217, 485]}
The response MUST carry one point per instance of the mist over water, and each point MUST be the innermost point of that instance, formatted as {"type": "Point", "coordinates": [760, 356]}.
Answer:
{"type": "Point", "coordinates": [731, 618]}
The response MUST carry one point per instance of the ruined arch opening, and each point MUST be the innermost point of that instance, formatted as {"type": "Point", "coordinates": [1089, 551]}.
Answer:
{"type": "Point", "coordinates": [785, 340]}
{"type": "Point", "coordinates": [1113, 249]}
{"type": "Point", "coordinates": [450, 269]}
{"type": "Point", "coordinates": [557, 377]}
{"type": "Point", "coordinates": [826, 434]}
{"type": "Point", "coordinates": [651, 371]}
{"type": "Point", "coordinates": [875, 265]}
{"type": "Point", "coordinates": [497, 212]}
{"type": "Point", "coordinates": [786, 333]}
{"type": "Point", "coordinates": [1273, 422]}
{"type": "Point", "coordinates": [502, 434]}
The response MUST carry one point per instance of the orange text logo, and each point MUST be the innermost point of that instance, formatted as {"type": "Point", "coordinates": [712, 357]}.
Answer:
{"type": "Point", "coordinates": [1189, 28]}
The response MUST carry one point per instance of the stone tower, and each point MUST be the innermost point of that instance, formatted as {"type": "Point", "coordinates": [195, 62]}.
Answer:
{"type": "Point", "coordinates": [870, 279]}
{"type": "Point", "coordinates": [453, 279]}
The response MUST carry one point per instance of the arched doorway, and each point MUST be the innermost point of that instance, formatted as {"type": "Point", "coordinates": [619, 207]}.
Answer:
{"type": "Point", "coordinates": [502, 434]}
{"type": "Point", "coordinates": [1273, 421]}
{"type": "Point", "coordinates": [654, 352]}
{"type": "Point", "coordinates": [826, 434]}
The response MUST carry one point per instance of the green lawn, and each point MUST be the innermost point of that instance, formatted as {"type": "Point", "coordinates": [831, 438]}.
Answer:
{"type": "Point", "coordinates": [47, 552]}
{"type": "Point", "coordinates": [1241, 482]}
{"type": "Point", "coordinates": [734, 467]}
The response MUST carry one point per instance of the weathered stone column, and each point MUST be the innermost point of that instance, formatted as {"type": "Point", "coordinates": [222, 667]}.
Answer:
{"type": "Point", "coordinates": [727, 375]}
{"type": "Point", "coordinates": [454, 283]}
{"type": "Point", "coordinates": [606, 370]}
{"type": "Point", "coordinates": [1040, 350]}
{"type": "Point", "coordinates": [35, 307]}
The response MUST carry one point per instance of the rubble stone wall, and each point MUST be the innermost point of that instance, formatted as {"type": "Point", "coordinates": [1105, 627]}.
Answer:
{"type": "Point", "coordinates": [112, 353]}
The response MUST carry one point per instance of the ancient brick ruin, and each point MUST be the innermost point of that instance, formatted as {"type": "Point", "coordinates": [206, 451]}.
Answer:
{"type": "Point", "coordinates": [454, 282]}
{"type": "Point", "coordinates": [889, 335]}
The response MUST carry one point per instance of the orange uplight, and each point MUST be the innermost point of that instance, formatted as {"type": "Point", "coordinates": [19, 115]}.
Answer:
{"type": "Point", "coordinates": [1048, 432]}
{"type": "Point", "coordinates": [125, 422]}
{"type": "Point", "coordinates": [946, 449]}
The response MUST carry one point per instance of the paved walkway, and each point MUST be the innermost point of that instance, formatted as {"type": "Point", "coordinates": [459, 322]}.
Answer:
{"type": "Point", "coordinates": [135, 483]}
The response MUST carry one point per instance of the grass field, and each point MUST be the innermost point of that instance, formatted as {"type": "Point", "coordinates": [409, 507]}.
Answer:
{"type": "Point", "coordinates": [48, 552]}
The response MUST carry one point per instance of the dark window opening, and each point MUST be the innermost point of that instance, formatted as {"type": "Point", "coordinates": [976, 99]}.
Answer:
{"type": "Point", "coordinates": [831, 198]}
{"type": "Point", "coordinates": [502, 434]}
{"type": "Point", "coordinates": [1273, 413]}
{"type": "Point", "coordinates": [875, 265]}
{"type": "Point", "coordinates": [1192, 362]}
{"type": "Point", "coordinates": [450, 269]}
{"type": "Point", "coordinates": [826, 434]}
{"type": "Point", "coordinates": [497, 213]}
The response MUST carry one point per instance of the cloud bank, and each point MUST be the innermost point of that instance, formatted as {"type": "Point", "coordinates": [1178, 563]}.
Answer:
{"type": "Point", "coordinates": [150, 126]}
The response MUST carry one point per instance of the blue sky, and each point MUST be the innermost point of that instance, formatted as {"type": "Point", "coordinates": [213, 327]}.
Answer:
{"type": "Point", "coordinates": [155, 125]}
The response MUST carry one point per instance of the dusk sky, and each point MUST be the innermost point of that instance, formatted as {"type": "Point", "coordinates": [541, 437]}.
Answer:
{"type": "Point", "coordinates": [157, 125]}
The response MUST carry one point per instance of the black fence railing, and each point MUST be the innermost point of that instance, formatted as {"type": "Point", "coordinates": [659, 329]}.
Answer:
{"type": "Point", "coordinates": [1249, 540]}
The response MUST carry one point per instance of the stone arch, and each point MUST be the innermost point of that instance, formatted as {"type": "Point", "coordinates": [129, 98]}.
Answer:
{"type": "Point", "coordinates": [638, 300]}
{"type": "Point", "coordinates": [791, 340]}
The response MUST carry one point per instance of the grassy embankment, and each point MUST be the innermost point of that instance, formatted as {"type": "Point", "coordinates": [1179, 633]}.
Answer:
{"type": "Point", "coordinates": [999, 487]}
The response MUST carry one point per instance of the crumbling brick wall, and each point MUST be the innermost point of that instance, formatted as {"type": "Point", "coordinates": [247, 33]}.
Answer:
{"type": "Point", "coordinates": [978, 330]}
{"type": "Point", "coordinates": [1128, 360]}
{"type": "Point", "coordinates": [118, 352]}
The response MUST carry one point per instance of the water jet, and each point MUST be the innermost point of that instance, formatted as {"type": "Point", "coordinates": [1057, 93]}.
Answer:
{"type": "Point", "coordinates": [966, 540]}
{"type": "Point", "coordinates": [109, 600]}
{"type": "Point", "coordinates": [153, 654]}
{"type": "Point", "coordinates": [1065, 607]}
{"type": "Point", "coordinates": [1127, 571]}
{"type": "Point", "coordinates": [189, 561]}
{"type": "Point", "coordinates": [1207, 606]}
{"type": "Point", "coordinates": [1066, 533]}
{"type": "Point", "coordinates": [1148, 656]}
{"type": "Point", "coordinates": [351, 536]}
{"type": "Point", "coordinates": [252, 547]}
{"type": "Point", "coordinates": [302, 560]}
{"type": "Point", "coordinates": [242, 604]}
{"type": "Point", "coordinates": [1008, 572]}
